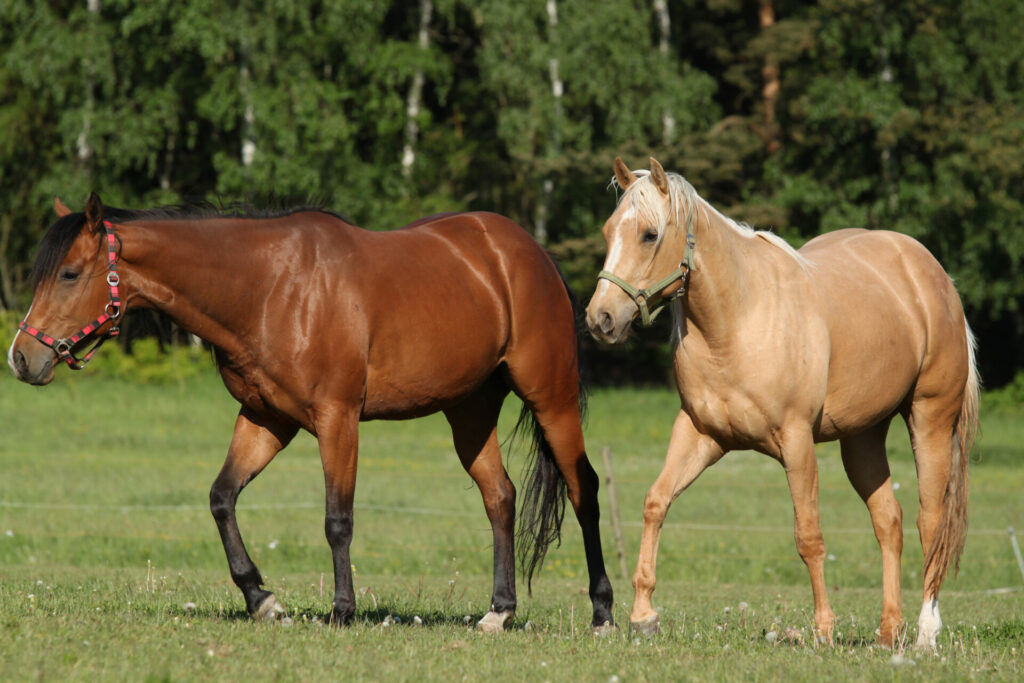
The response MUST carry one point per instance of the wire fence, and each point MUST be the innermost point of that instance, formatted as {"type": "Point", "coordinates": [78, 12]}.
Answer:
{"type": "Point", "coordinates": [441, 512]}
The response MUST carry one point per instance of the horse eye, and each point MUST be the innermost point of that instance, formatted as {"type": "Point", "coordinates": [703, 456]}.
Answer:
{"type": "Point", "coordinates": [68, 276]}
{"type": "Point", "coordinates": [651, 236]}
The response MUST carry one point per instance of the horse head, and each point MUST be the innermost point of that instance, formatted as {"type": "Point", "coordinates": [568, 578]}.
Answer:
{"type": "Point", "coordinates": [76, 296]}
{"type": "Point", "coordinates": [642, 269]}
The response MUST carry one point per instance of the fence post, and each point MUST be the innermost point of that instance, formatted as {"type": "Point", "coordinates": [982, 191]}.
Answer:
{"type": "Point", "coordinates": [1016, 551]}
{"type": "Point", "coordinates": [606, 455]}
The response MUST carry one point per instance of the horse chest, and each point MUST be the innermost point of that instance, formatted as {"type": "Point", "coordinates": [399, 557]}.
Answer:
{"type": "Point", "coordinates": [255, 390]}
{"type": "Point", "coordinates": [729, 416]}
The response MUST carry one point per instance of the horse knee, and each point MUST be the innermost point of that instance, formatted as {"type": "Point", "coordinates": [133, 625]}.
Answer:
{"type": "Point", "coordinates": [222, 502]}
{"type": "Point", "coordinates": [811, 546]}
{"type": "Point", "coordinates": [655, 507]}
{"type": "Point", "coordinates": [338, 528]}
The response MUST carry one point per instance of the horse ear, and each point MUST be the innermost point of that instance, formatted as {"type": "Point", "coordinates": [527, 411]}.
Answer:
{"type": "Point", "coordinates": [623, 175]}
{"type": "Point", "coordinates": [59, 206]}
{"type": "Point", "coordinates": [658, 177]}
{"type": "Point", "coordinates": [94, 212]}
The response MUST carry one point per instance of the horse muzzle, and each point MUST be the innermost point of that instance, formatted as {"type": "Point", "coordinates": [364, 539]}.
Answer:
{"type": "Point", "coordinates": [33, 368]}
{"type": "Point", "coordinates": [606, 326]}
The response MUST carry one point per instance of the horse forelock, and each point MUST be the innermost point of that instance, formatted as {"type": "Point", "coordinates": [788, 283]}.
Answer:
{"type": "Point", "coordinates": [649, 204]}
{"type": "Point", "coordinates": [54, 247]}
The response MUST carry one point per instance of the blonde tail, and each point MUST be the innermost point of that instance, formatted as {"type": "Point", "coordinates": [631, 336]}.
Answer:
{"type": "Point", "coordinates": [949, 539]}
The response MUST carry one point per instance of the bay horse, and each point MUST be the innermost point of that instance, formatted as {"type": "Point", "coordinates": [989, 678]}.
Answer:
{"type": "Point", "coordinates": [776, 349]}
{"type": "Point", "coordinates": [317, 325]}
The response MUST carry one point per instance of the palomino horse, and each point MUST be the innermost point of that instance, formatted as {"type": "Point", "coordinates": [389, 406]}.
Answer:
{"type": "Point", "coordinates": [776, 349]}
{"type": "Point", "coordinates": [318, 325]}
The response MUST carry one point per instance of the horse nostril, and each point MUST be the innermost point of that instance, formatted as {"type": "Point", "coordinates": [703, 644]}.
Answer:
{"type": "Point", "coordinates": [606, 322]}
{"type": "Point", "coordinates": [20, 364]}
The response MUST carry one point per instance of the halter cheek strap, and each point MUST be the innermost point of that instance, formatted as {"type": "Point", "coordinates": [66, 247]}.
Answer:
{"type": "Point", "coordinates": [111, 312]}
{"type": "Point", "coordinates": [644, 298]}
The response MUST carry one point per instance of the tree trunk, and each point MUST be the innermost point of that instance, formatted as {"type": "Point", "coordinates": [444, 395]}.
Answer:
{"type": "Point", "coordinates": [165, 174]}
{"type": "Point", "coordinates": [412, 101]}
{"type": "Point", "coordinates": [540, 223]}
{"type": "Point", "coordinates": [82, 143]}
{"type": "Point", "coordinates": [249, 115]}
{"type": "Point", "coordinates": [6, 288]}
{"type": "Point", "coordinates": [770, 75]}
{"type": "Point", "coordinates": [668, 121]}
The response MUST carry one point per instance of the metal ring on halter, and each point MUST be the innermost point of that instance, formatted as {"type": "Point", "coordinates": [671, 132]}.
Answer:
{"type": "Point", "coordinates": [62, 347]}
{"type": "Point", "coordinates": [113, 279]}
{"type": "Point", "coordinates": [112, 310]}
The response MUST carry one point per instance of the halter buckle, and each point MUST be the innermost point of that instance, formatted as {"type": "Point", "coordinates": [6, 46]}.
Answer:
{"type": "Point", "coordinates": [62, 347]}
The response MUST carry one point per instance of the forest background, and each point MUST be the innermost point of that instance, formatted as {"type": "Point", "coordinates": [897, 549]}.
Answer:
{"type": "Point", "coordinates": [798, 117]}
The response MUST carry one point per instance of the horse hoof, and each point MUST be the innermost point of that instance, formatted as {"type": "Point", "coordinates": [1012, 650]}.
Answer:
{"type": "Point", "coordinates": [648, 627]}
{"type": "Point", "coordinates": [604, 630]}
{"type": "Point", "coordinates": [494, 622]}
{"type": "Point", "coordinates": [269, 610]}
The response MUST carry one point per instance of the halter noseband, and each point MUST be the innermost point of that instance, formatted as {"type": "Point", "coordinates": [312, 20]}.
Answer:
{"type": "Point", "coordinates": [112, 311]}
{"type": "Point", "coordinates": [643, 298]}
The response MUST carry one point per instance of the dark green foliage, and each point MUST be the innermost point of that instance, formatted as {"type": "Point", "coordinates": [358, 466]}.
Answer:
{"type": "Point", "coordinates": [905, 116]}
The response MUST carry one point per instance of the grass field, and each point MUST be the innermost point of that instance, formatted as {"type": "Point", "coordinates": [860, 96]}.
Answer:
{"type": "Point", "coordinates": [111, 567]}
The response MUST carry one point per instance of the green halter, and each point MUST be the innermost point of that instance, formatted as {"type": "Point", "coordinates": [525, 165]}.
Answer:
{"type": "Point", "coordinates": [643, 298]}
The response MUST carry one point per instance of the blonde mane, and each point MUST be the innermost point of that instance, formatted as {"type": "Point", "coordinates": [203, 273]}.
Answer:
{"type": "Point", "coordinates": [645, 199]}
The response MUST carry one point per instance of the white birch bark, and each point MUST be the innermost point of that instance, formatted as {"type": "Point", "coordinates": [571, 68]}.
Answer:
{"type": "Point", "coordinates": [668, 121]}
{"type": "Point", "coordinates": [412, 101]}
{"type": "Point", "coordinates": [540, 223]}
{"type": "Point", "coordinates": [82, 143]}
{"type": "Point", "coordinates": [248, 116]}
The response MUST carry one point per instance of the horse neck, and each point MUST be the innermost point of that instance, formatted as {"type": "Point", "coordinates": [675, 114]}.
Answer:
{"type": "Point", "coordinates": [725, 281]}
{"type": "Point", "coordinates": [197, 272]}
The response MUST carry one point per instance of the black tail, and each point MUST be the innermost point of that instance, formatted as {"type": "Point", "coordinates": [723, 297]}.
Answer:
{"type": "Point", "coordinates": [543, 503]}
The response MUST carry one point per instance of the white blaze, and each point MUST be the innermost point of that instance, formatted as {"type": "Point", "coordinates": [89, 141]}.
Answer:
{"type": "Point", "coordinates": [611, 261]}
{"type": "Point", "coordinates": [10, 351]}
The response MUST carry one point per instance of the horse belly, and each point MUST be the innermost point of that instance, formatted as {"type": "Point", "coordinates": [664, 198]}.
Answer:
{"type": "Point", "coordinates": [422, 372]}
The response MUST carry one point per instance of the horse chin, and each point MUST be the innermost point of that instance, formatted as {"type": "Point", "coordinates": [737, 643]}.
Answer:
{"type": "Point", "coordinates": [617, 336]}
{"type": "Point", "coordinates": [40, 380]}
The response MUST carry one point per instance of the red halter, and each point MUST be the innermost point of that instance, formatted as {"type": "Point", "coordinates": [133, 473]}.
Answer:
{"type": "Point", "coordinates": [112, 311]}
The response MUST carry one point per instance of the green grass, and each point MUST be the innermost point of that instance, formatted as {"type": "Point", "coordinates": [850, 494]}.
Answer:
{"type": "Point", "coordinates": [106, 542]}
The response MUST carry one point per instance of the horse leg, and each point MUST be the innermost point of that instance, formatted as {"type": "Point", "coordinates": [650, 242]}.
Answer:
{"type": "Point", "coordinates": [338, 438]}
{"type": "Point", "coordinates": [689, 454]}
{"type": "Point", "coordinates": [255, 442]}
{"type": "Point", "coordinates": [868, 471]}
{"type": "Point", "coordinates": [931, 435]}
{"type": "Point", "coordinates": [560, 423]}
{"type": "Point", "coordinates": [801, 465]}
{"type": "Point", "coordinates": [474, 429]}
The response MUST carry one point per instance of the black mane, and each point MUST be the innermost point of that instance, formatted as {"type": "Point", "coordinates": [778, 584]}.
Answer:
{"type": "Point", "coordinates": [57, 241]}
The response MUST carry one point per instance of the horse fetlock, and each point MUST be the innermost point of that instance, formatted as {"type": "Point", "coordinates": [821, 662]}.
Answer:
{"type": "Point", "coordinates": [494, 622]}
{"type": "Point", "coordinates": [269, 609]}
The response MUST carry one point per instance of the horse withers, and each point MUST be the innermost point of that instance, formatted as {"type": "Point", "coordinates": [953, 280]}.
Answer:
{"type": "Point", "coordinates": [777, 349]}
{"type": "Point", "coordinates": [317, 325]}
